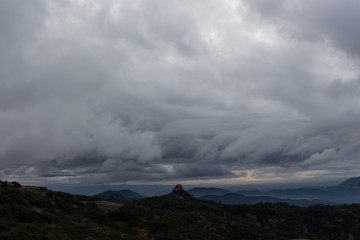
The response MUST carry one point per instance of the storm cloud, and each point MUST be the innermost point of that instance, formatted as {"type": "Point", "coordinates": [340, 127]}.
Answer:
{"type": "Point", "coordinates": [153, 90]}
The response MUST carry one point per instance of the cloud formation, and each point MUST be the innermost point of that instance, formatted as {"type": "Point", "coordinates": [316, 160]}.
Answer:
{"type": "Point", "coordinates": [117, 91]}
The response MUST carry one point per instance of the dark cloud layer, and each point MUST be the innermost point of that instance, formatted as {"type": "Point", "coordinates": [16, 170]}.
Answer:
{"type": "Point", "coordinates": [118, 91]}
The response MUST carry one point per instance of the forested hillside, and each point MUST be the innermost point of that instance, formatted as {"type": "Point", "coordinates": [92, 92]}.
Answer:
{"type": "Point", "coordinates": [38, 213]}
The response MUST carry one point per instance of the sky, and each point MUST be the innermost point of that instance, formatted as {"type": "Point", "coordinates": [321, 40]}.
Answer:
{"type": "Point", "coordinates": [166, 91]}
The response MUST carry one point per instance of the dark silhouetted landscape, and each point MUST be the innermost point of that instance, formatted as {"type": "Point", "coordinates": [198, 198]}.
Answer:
{"type": "Point", "coordinates": [30, 212]}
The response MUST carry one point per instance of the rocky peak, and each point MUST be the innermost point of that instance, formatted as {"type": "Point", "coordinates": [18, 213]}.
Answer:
{"type": "Point", "coordinates": [178, 187]}
{"type": "Point", "coordinates": [178, 191]}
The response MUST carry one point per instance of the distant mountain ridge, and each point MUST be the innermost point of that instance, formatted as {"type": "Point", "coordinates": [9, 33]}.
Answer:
{"type": "Point", "coordinates": [351, 184]}
{"type": "Point", "coordinates": [122, 196]}
{"type": "Point", "coordinates": [202, 191]}
{"type": "Point", "coordinates": [346, 192]}
{"type": "Point", "coordinates": [236, 198]}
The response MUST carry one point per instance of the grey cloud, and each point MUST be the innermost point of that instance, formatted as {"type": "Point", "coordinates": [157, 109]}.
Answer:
{"type": "Point", "coordinates": [333, 21]}
{"type": "Point", "coordinates": [344, 90]}
{"type": "Point", "coordinates": [156, 90]}
{"type": "Point", "coordinates": [320, 158]}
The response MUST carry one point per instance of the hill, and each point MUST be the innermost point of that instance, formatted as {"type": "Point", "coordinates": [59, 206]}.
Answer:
{"type": "Point", "coordinates": [194, 218]}
{"type": "Point", "coordinates": [351, 184]}
{"type": "Point", "coordinates": [122, 196]}
{"type": "Point", "coordinates": [235, 198]}
{"type": "Point", "coordinates": [39, 213]}
{"type": "Point", "coordinates": [346, 192]}
{"type": "Point", "coordinates": [30, 212]}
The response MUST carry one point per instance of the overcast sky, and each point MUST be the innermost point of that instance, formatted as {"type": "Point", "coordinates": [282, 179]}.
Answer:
{"type": "Point", "coordinates": [135, 91]}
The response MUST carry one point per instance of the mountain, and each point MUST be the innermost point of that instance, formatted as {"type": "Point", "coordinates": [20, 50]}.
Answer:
{"type": "Point", "coordinates": [202, 191]}
{"type": "Point", "coordinates": [351, 184]}
{"type": "Point", "coordinates": [179, 192]}
{"type": "Point", "coordinates": [122, 196]}
{"type": "Point", "coordinates": [346, 192]}
{"type": "Point", "coordinates": [30, 212]}
{"type": "Point", "coordinates": [125, 193]}
{"type": "Point", "coordinates": [300, 192]}
{"type": "Point", "coordinates": [235, 198]}
{"type": "Point", "coordinates": [305, 193]}
{"type": "Point", "coordinates": [114, 198]}
{"type": "Point", "coordinates": [252, 192]}
{"type": "Point", "coordinates": [182, 215]}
